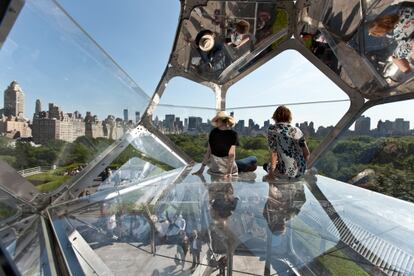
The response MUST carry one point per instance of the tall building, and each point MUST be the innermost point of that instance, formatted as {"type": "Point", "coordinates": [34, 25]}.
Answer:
{"type": "Point", "coordinates": [137, 117]}
{"type": "Point", "coordinates": [14, 100]}
{"type": "Point", "coordinates": [363, 125]}
{"type": "Point", "coordinates": [169, 122]}
{"type": "Point", "coordinates": [194, 123]}
{"type": "Point", "coordinates": [38, 107]}
{"type": "Point", "coordinates": [126, 115]}
{"type": "Point", "coordinates": [57, 125]}
{"type": "Point", "coordinates": [401, 126]}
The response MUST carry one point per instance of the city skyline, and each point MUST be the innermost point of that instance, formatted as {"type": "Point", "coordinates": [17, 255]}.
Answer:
{"type": "Point", "coordinates": [193, 124]}
{"type": "Point", "coordinates": [83, 79]}
{"type": "Point", "coordinates": [137, 115]}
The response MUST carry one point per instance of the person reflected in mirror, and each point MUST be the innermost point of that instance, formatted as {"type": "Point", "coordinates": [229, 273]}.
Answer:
{"type": "Point", "coordinates": [284, 202]}
{"type": "Point", "coordinates": [182, 248]}
{"type": "Point", "coordinates": [222, 201]}
{"type": "Point", "coordinates": [239, 35]}
{"type": "Point", "coordinates": [400, 26]}
{"type": "Point", "coordinates": [221, 149]}
{"type": "Point", "coordinates": [288, 149]}
{"type": "Point", "coordinates": [195, 248]}
{"type": "Point", "coordinates": [180, 222]}
{"type": "Point", "coordinates": [209, 48]}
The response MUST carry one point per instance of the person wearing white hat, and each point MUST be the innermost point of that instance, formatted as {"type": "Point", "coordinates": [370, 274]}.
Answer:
{"type": "Point", "coordinates": [221, 151]}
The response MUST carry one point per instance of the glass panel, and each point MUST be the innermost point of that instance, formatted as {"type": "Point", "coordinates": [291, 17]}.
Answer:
{"type": "Point", "coordinates": [23, 242]}
{"type": "Point", "coordinates": [376, 152]}
{"type": "Point", "coordinates": [223, 37]}
{"type": "Point", "coordinates": [313, 225]}
{"type": "Point", "coordinates": [66, 100]}
{"type": "Point", "coordinates": [184, 115]}
{"type": "Point", "coordinates": [8, 207]}
{"type": "Point", "coordinates": [143, 59]}
{"type": "Point", "coordinates": [140, 155]}
{"type": "Point", "coordinates": [288, 79]}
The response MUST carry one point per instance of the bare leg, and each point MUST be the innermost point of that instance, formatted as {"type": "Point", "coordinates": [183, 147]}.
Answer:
{"type": "Point", "coordinates": [402, 64]}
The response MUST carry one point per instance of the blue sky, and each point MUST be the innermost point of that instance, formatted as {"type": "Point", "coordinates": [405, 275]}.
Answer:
{"type": "Point", "coordinates": [53, 61]}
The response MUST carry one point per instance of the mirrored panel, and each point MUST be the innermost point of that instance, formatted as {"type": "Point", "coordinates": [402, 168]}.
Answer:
{"type": "Point", "coordinates": [223, 37]}
{"type": "Point", "coordinates": [376, 152]}
{"type": "Point", "coordinates": [366, 43]}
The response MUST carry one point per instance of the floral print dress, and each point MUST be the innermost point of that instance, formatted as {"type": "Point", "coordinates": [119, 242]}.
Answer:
{"type": "Point", "coordinates": [403, 33]}
{"type": "Point", "coordinates": [287, 141]}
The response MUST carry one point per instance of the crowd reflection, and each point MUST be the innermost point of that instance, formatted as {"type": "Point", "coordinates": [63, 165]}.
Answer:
{"type": "Point", "coordinates": [206, 232]}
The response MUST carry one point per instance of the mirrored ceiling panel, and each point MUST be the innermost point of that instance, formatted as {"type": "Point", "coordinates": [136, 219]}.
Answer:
{"type": "Point", "coordinates": [220, 39]}
{"type": "Point", "coordinates": [368, 44]}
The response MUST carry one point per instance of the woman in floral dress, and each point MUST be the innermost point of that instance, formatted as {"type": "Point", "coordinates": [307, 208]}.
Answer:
{"type": "Point", "coordinates": [401, 26]}
{"type": "Point", "coordinates": [289, 152]}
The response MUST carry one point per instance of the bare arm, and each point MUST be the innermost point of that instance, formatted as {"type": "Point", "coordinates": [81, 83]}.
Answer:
{"type": "Point", "coordinates": [205, 160]}
{"type": "Point", "coordinates": [273, 163]}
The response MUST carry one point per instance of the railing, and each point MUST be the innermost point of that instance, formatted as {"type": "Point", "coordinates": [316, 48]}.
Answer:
{"type": "Point", "coordinates": [35, 170]}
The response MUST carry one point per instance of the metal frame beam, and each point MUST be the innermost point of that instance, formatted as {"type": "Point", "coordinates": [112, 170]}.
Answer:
{"type": "Point", "coordinates": [9, 10]}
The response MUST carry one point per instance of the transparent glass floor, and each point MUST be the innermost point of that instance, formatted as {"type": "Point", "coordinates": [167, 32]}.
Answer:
{"type": "Point", "coordinates": [181, 224]}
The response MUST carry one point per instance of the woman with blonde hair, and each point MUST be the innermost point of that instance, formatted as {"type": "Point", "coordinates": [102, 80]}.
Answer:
{"type": "Point", "coordinates": [401, 25]}
{"type": "Point", "coordinates": [221, 150]}
{"type": "Point", "coordinates": [288, 149]}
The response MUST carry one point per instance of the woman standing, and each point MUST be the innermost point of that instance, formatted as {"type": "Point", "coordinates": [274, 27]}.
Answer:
{"type": "Point", "coordinates": [221, 151]}
{"type": "Point", "coordinates": [288, 149]}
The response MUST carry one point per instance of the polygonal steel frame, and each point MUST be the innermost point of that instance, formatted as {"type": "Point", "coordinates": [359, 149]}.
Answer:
{"type": "Point", "coordinates": [358, 104]}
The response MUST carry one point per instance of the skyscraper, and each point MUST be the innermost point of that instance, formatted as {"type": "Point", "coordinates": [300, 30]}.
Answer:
{"type": "Point", "coordinates": [14, 100]}
{"type": "Point", "coordinates": [363, 125]}
{"type": "Point", "coordinates": [169, 122]}
{"type": "Point", "coordinates": [126, 115]}
{"type": "Point", "coordinates": [38, 107]}
{"type": "Point", "coordinates": [137, 116]}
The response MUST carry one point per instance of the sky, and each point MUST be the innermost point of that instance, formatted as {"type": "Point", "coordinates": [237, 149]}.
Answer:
{"type": "Point", "coordinates": [53, 61]}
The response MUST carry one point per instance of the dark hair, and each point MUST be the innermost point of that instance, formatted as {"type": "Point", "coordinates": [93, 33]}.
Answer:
{"type": "Point", "coordinates": [282, 115]}
{"type": "Point", "coordinates": [383, 24]}
{"type": "Point", "coordinates": [242, 27]}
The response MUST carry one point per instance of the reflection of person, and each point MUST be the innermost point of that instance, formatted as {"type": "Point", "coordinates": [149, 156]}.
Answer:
{"type": "Point", "coordinates": [210, 51]}
{"type": "Point", "coordinates": [401, 24]}
{"type": "Point", "coordinates": [239, 36]}
{"type": "Point", "coordinates": [222, 200]}
{"type": "Point", "coordinates": [280, 206]}
{"type": "Point", "coordinates": [180, 222]}
{"type": "Point", "coordinates": [182, 248]}
{"type": "Point", "coordinates": [195, 248]}
{"type": "Point", "coordinates": [283, 203]}
{"type": "Point", "coordinates": [221, 150]}
{"type": "Point", "coordinates": [287, 145]}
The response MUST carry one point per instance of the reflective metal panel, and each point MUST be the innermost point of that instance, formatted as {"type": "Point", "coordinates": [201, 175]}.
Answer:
{"type": "Point", "coordinates": [355, 40]}
{"type": "Point", "coordinates": [223, 38]}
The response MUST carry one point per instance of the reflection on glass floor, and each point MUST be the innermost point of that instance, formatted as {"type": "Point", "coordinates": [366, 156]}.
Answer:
{"type": "Point", "coordinates": [177, 223]}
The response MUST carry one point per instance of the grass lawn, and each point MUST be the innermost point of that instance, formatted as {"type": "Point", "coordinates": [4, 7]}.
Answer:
{"type": "Point", "coordinates": [47, 181]}
{"type": "Point", "coordinates": [339, 264]}
{"type": "Point", "coordinates": [336, 262]}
